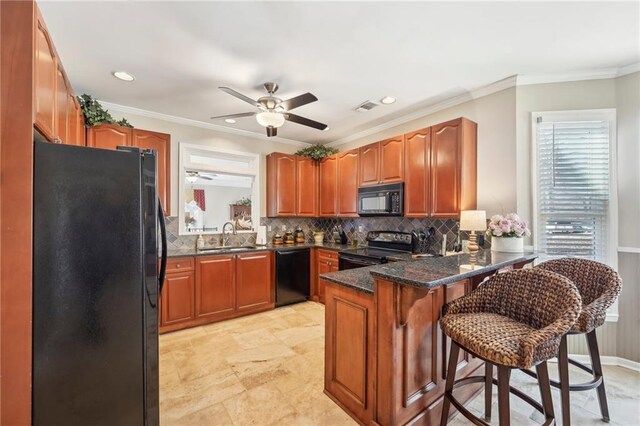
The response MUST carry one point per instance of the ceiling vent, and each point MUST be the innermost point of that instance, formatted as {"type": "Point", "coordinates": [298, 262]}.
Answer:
{"type": "Point", "coordinates": [366, 106]}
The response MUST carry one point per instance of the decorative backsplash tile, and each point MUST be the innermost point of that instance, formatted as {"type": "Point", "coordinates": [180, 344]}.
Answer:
{"type": "Point", "coordinates": [351, 226]}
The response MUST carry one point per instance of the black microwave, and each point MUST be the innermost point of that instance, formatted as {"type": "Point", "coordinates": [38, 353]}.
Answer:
{"type": "Point", "coordinates": [381, 200]}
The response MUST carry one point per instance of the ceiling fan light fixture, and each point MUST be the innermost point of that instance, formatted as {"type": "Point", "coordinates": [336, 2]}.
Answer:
{"type": "Point", "coordinates": [267, 118]}
{"type": "Point", "coordinates": [192, 178]}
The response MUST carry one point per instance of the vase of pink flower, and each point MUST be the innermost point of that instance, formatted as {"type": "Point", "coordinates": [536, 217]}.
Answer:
{"type": "Point", "coordinates": [507, 233]}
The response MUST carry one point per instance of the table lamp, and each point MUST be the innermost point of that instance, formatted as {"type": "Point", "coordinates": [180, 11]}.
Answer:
{"type": "Point", "coordinates": [473, 220]}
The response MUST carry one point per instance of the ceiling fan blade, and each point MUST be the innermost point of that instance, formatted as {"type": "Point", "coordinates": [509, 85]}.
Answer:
{"type": "Point", "coordinates": [271, 131]}
{"type": "Point", "coordinates": [305, 121]}
{"type": "Point", "coordinates": [242, 114]}
{"type": "Point", "coordinates": [239, 96]}
{"type": "Point", "coordinates": [298, 101]}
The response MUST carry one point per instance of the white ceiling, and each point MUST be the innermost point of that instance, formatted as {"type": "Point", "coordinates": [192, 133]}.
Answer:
{"type": "Point", "coordinates": [343, 52]}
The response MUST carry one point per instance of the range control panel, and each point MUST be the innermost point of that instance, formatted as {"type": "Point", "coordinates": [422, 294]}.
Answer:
{"type": "Point", "coordinates": [400, 238]}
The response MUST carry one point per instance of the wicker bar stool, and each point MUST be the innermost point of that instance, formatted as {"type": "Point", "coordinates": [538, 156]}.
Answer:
{"type": "Point", "coordinates": [599, 286]}
{"type": "Point", "coordinates": [514, 320]}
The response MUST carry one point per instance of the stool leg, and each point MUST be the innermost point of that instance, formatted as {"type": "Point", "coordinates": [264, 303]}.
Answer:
{"type": "Point", "coordinates": [504, 373]}
{"type": "Point", "coordinates": [563, 370]}
{"type": "Point", "coordinates": [451, 376]}
{"type": "Point", "coordinates": [545, 391]}
{"type": "Point", "coordinates": [488, 388]}
{"type": "Point", "coordinates": [592, 342]}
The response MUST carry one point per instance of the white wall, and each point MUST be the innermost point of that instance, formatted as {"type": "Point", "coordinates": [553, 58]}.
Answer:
{"type": "Point", "coordinates": [196, 135]}
{"type": "Point", "coordinates": [495, 115]}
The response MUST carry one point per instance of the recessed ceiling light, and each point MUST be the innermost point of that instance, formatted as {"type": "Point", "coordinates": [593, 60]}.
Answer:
{"type": "Point", "coordinates": [123, 75]}
{"type": "Point", "coordinates": [388, 100]}
{"type": "Point", "coordinates": [229, 120]}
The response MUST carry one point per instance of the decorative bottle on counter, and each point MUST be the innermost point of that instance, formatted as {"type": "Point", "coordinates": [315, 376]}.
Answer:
{"type": "Point", "coordinates": [288, 238]}
{"type": "Point", "coordinates": [200, 242]}
{"type": "Point", "coordinates": [277, 239]}
{"type": "Point", "coordinates": [300, 237]}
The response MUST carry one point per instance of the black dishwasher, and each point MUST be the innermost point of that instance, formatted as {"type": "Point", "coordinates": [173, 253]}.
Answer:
{"type": "Point", "coordinates": [292, 276]}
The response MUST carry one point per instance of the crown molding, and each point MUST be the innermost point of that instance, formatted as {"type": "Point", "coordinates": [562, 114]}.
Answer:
{"type": "Point", "coordinates": [600, 74]}
{"type": "Point", "coordinates": [196, 123]}
{"type": "Point", "coordinates": [430, 109]}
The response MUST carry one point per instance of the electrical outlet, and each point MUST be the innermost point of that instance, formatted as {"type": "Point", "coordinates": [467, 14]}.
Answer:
{"type": "Point", "coordinates": [269, 228]}
{"type": "Point", "coordinates": [360, 228]}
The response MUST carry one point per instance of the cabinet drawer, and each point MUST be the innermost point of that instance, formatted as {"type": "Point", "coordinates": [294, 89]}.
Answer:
{"type": "Point", "coordinates": [329, 254]}
{"type": "Point", "coordinates": [179, 264]}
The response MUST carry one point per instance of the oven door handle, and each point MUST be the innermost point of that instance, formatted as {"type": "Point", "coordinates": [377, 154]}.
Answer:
{"type": "Point", "coordinates": [356, 260]}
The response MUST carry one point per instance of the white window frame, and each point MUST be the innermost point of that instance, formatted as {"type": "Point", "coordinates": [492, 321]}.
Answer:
{"type": "Point", "coordinates": [186, 149]}
{"type": "Point", "coordinates": [608, 114]}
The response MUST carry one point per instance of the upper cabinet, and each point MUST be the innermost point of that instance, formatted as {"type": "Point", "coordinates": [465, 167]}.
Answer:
{"type": "Point", "coordinates": [348, 183]}
{"type": "Point", "coordinates": [328, 196]}
{"type": "Point", "coordinates": [161, 142]}
{"type": "Point", "coordinates": [417, 183]}
{"type": "Point", "coordinates": [62, 107]}
{"type": "Point", "coordinates": [292, 186]}
{"type": "Point", "coordinates": [382, 162]}
{"type": "Point", "coordinates": [108, 136]}
{"type": "Point", "coordinates": [45, 76]}
{"type": "Point", "coordinates": [440, 170]}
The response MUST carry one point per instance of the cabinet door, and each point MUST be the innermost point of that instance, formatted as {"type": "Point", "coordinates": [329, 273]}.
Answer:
{"type": "Point", "coordinates": [72, 119]}
{"type": "Point", "coordinates": [348, 183]}
{"type": "Point", "coordinates": [445, 169]}
{"type": "Point", "coordinates": [215, 287]}
{"type": "Point", "coordinates": [281, 185]}
{"type": "Point", "coordinates": [254, 282]}
{"type": "Point", "coordinates": [177, 298]}
{"type": "Point", "coordinates": [107, 136]}
{"type": "Point", "coordinates": [328, 203]}
{"type": "Point", "coordinates": [45, 76]}
{"type": "Point", "coordinates": [161, 142]}
{"type": "Point", "coordinates": [81, 128]}
{"type": "Point", "coordinates": [307, 187]}
{"type": "Point", "coordinates": [62, 108]}
{"type": "Point", "coordinates": [392, 160]}
{"type": "Point", "coordinates": [369, 164]}
{"type": "Point", "coordinates": [326, 262]}
{"type": "Point", "coordinates": [416, 176]}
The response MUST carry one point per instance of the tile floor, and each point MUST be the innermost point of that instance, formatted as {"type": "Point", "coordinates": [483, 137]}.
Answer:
{"type": "Point", "coordinates": [268, 369]}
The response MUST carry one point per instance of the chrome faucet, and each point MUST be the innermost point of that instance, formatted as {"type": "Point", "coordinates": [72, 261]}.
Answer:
{"type": "Point", "coordinates": [225, 240]}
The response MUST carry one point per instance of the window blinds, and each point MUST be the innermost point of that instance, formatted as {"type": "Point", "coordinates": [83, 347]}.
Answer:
{"type": "Point", "coordinates": [573, 188]}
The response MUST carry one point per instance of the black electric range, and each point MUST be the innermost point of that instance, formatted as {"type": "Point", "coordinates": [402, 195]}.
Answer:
{"type": "Point", "coordinates": [381, 246]}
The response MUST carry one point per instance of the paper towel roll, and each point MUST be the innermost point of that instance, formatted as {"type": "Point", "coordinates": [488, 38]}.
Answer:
{"type": "Point", "coordinates": [261, 237]}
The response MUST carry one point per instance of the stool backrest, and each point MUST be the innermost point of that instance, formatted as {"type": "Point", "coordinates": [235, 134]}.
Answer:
{"type": "Point", "coordinates": [593, 279]}
{"type": "Point", "coordinates": [532, 296]}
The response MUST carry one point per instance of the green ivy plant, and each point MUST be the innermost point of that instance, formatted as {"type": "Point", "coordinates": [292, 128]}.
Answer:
{"type": "Point", "coordinates": [95, 114]}
{"type": "Point", "coordinates": [244, 201]}
{"type": "Point", "coordinates": [317, 152]}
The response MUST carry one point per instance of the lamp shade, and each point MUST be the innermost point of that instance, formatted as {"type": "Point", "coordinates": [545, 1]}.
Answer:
{"type": "Point", "coordinates": [473, 220]}
{"type": "Point", "coordinates": [273, 119]}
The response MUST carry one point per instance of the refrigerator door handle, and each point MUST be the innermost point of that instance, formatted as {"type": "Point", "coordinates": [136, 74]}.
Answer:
{"type": "Point", "coordinates": [163, 236]}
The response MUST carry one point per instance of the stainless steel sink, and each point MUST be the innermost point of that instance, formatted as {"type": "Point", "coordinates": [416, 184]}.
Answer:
{"type": "Point", "coordinates": [225, 249]}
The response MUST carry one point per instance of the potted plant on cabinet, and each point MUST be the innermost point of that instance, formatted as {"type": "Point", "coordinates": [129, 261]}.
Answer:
{"type": "Point", "coordinates": [317, 152]}
{"type": "Point", "coordinates": [507, 233]}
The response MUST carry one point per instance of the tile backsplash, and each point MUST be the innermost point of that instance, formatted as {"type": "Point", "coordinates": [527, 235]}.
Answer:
{"type": "Point", "coordinates": [351, 226]}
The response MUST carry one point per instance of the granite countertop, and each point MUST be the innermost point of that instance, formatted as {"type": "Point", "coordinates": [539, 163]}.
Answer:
{"type": "Point", "coordinates": [195, 252]}
{"type": "Point", "coordinates": [426, 272]}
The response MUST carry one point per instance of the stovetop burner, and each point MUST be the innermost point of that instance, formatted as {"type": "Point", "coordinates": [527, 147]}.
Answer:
{"type": "Point", "coordinates": [372, 252]}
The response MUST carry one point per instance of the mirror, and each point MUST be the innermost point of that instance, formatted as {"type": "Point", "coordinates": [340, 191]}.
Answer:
{"type": "Point", "coordinates": [217, 187]}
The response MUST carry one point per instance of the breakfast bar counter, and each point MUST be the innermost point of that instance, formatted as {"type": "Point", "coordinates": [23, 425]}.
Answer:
{"type": "Point", "coordinates": [385, 356]}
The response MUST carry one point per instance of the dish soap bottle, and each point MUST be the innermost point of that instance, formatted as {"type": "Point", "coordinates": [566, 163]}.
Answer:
{"type": "Point", "coordinates": [200, 242]}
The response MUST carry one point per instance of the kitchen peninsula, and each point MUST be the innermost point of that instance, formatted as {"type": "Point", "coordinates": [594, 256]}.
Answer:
{"type": "Point", "coordinates": [385, 356]}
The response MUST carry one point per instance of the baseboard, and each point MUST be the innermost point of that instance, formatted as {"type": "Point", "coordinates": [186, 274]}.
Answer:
{"type": "Point", "coordinates": [606, 360]}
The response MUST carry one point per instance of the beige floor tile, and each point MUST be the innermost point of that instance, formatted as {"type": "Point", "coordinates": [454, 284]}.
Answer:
{"type": "Point", "coordinates": [268, 369]}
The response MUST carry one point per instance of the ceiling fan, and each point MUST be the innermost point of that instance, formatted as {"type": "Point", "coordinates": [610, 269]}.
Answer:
{"type": "Point", "coordinates": [272, 111]}
{"type": "Point", "coordinates": [193, 176]}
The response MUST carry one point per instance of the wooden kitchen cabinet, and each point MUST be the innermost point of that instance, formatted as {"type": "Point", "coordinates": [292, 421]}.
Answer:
{"type": "Point", "coordinates": [109, 136]}
{"type": "Point", "coordinates": [177, 301]}
{"type": "Point", "coordinates": [326, 261]}
{"type": "Point", "coordinates": [306, 187]}
{"type": "Point", "coordinates": [417, 182]}
{"type": "Point", "coordinates": [382, 162]}
{"type": "Point", "coordinates": [62, 108]}
{"type": "Point", "coordinates": [292, 186]}
{"type": "Point", "coordinates": [161, 142]}
{"type": "Point", "coordinates": [215, 291]}
{"type": "Point", "coordinates": [453, 168]}
{"type": "Point", "coordinates": [45, 76]}
{"type": "Point", "coordinates": [328, 196]}
{"type": "Point", "coordinates": [254, 282]}
{"type": "Point", "coordinates": [348, 183]}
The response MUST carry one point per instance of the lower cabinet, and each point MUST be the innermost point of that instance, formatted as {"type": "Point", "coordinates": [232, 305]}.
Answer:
{"type": "Point", "coordinates": [325, 261]}
{"type": "Point", "coordinates": [207, 289]}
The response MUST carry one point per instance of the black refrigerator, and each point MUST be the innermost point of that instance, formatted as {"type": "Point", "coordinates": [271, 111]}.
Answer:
{"type": "Point", "coordinates": [95, 286]}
